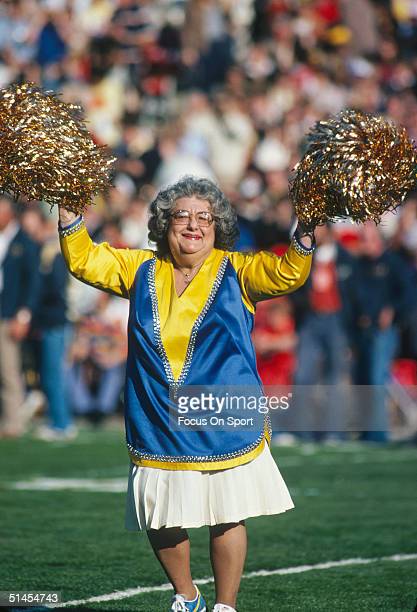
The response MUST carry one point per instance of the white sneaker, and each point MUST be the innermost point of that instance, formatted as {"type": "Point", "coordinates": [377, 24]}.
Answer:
{"type": "Point", "coordinates": [34, 404]}
{"type": "Point", "coordinates": [219, 607]}
{"type": "Point", "coordinates": [52, 434]}
{"type": "Point", "coordinates": [180, 604]}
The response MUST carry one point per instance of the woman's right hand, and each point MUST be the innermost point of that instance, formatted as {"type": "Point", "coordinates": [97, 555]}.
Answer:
{"type": "Point", "coordinates": [66, 217]}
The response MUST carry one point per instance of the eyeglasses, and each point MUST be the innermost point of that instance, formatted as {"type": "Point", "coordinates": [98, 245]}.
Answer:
{"type": "Point", "coordinates": [183, 217]}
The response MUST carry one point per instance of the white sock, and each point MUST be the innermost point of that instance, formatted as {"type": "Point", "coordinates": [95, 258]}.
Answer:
{"type": "Point", "coordinates": [219, 607]}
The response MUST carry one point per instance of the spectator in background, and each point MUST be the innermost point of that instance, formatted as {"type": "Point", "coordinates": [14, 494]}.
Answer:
{"type": "Point", "coordinates": [405, 244]}
{"type": "Point", "coordinates": [382, 287]}
{"type": "Point", "coordinates": [178, 157]}
{"type": "Point", "coordinates": [249, 208]}
{"type": "Point", "coordinates": [131, 25]}
{"type": "Point", "coordinates": [50, 326]}
{"type": "Point", "coordinates": [19, 296]}
{"type": "Point", "coordinates": [275, 339]}
{"type": "Point", "coordinates": [324, 316]}
{"type": "Point", "coordinates": [263, 222]}
{"type": "Point", "coordinates": [226, 127]}
{"type": "Point", "coordinates": [95, 17]}
{"type": "Point", "coordinates": [208, 49]}
{"type": "Point", "coordinates": [97, 360]}
{"type": "Point", "coordinates": [360, 17]}
{"type": "Point", "coordinates": [112, 232]}
{"type": "Point", "coordinates": [134, 224]}
{"type": "Point", "coordinates": [52, 48]}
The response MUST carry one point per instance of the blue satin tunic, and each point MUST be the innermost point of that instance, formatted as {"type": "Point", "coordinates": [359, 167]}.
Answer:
{"type": "Point", "coordinates": [199, 338]}
{"type": "Point", "coordinates": [220, 352]}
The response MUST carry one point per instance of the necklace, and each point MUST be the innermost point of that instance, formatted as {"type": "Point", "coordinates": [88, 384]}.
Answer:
{"type": "Point", "coordinates": [188, 277]}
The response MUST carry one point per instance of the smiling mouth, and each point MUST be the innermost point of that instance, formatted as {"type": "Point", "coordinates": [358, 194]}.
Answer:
{"type": "Point", "coordinates": [191, 236]}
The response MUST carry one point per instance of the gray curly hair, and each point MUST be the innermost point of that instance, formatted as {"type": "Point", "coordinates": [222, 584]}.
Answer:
{"type": "Point", "coordinates": [226, 229]}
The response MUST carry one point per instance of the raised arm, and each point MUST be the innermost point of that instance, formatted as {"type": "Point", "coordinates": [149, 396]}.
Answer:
{"type": "Point", "coordinates": [100, 265]}
{"type": "Point", "coordinates": [264, 275]}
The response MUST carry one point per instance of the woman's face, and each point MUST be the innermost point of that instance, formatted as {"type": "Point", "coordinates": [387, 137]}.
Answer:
{"type": "Point", "coordinates": [189, 238]}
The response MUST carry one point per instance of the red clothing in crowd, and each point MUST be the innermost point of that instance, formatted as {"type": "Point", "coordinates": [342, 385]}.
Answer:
{"type": "Point", "coordinates": [328, 10]}
{"type": "Point", "coordinates": [274, 322]}
{"type": "Point", "coordinates": [324, 294]}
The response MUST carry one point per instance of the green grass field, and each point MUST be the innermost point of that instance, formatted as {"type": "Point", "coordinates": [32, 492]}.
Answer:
{"type": "Point", "coordinates": [351, 501]}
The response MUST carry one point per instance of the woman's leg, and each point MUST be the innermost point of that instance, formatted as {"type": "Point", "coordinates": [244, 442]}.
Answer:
{"type": "Point", "coordinates": [228, 545]}
{"type": "Point", "coordinates": [172, 548]}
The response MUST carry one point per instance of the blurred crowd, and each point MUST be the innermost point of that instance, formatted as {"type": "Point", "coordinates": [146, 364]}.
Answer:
{"type": "Point", "coordinates": [226, 90]}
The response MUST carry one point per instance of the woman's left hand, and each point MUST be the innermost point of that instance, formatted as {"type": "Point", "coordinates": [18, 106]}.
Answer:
{"type": "Point", "coordinates": [305, 236]}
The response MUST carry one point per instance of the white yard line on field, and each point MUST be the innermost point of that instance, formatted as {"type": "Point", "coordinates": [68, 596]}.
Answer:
{"type": "Point", "coordinates": [119, 485]}
{"type": "Point", "coordinates": [109, 485]}
{"type": "Point", "coordinates": [298, 569]}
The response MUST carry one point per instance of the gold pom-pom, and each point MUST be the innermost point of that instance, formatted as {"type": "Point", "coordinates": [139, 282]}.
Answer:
{"type": "Point", "coordinates": [46, 151]}
{"type": "Point", "coordinates": [356, 166]}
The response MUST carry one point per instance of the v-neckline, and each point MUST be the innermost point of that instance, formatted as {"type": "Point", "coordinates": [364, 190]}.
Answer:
{"type": "Point", "coordinates": [187, 287]}
{"type": "Point", "coordinates": [193, 316]}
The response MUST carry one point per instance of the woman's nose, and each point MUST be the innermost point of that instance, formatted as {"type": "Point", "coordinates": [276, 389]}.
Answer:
{"type": "Point", "coordinates": [192, 222]}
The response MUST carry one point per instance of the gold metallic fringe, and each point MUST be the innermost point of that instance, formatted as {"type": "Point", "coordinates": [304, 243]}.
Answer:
{"type": "Point", "coordinates": [356, 166]}
{"type": "Point", "coordinates": [46, 151]}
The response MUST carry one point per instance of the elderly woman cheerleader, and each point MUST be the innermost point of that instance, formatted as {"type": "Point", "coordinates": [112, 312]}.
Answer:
{"type": "Point", "coordinates": [192, 304]}
{"type": "Point", "coordinates": [191, 310]}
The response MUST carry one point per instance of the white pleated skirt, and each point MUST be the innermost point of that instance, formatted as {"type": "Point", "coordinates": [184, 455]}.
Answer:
{"type": "Point", "coordinates": [191, 498]}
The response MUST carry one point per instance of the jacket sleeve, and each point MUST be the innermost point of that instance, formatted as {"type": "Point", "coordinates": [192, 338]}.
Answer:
{"type": "Point", "coordinates": [100, 265]}
{"type": "Point", "coordinates": [264, 275]}
{"type": "Point", "coordinates": [401, 286]}
{"type": "Point", "coordinates": [32, 279]}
